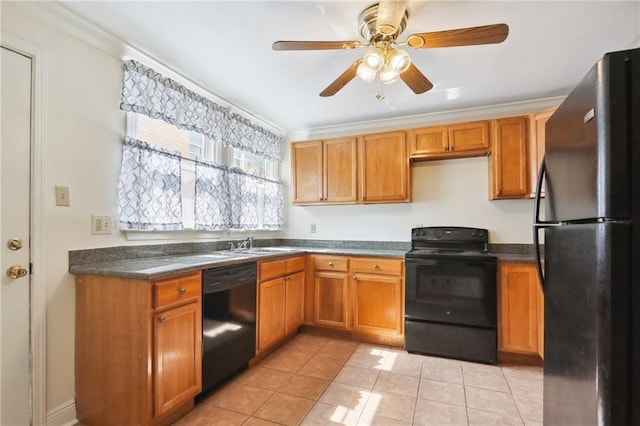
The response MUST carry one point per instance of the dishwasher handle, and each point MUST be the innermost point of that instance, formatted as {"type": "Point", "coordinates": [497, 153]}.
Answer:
{"type": "Point", "coordinates": [220, 279]}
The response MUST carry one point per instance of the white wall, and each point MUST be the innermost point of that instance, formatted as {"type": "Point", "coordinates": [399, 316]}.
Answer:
{"type": "Point", "coordinates": [447, 192]}
{"type": "Point", "coordinates": [83, 128]}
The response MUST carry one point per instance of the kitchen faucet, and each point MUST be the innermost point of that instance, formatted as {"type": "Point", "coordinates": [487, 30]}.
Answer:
{"type": "Point", "coordinates": [243, 245]}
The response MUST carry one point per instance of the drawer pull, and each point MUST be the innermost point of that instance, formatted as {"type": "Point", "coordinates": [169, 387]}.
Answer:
{"type": "Point", "coordinates": [162, 319]}
{"type": "Point", "coordinates": [376, 266]}
{"type": "Point", "coordinates": [331, 264]}
{"type": "Point", "coordinates": [182, 290]}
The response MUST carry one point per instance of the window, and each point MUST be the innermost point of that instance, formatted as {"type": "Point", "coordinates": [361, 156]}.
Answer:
{"type": "Point", "coordinates": [192, 145]}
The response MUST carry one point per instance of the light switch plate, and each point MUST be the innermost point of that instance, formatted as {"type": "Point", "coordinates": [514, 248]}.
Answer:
{"type": "Point", "coordinates": [100, 225]}
{"type": "Point", "coordinates": [62, 195]}
{"type": "Point", "coordinates": [312, 228]}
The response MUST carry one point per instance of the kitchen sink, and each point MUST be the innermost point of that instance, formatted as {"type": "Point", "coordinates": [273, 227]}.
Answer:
{"type": "Point", "coordinates": [214, 256]}
{"type": "Point", "coordinates": [269, 250]}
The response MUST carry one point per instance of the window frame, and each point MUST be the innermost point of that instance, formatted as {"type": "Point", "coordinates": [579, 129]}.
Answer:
{"type": "Point", "coordinates": [217, 153]}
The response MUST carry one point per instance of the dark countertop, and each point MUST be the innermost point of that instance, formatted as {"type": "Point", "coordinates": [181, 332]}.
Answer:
{"type": "Point", "coordinates": [150, 268]}
{"type": "Point", "coordinates": [515, 257]}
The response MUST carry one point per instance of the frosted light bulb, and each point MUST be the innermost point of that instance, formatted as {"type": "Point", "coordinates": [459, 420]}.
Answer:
{"type": "Point", "coordinates": [374, 59]}
{"type": "Point", "coordinates": [399, 60]}
{"type": "Point", "coordinates": [365, 73]}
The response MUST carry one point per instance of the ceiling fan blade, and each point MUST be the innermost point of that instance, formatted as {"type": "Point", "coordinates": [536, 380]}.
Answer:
{"type": "Point", "coordinates": [315, 45]}
{"type": "Point", "coordinates": [390, 13]}
{"type": "Point", "coordinates": [342, 80]}
{"type": "Point", "coordinates": [416, 81]}
{"type": "Point", "coordinates": [486, 34]}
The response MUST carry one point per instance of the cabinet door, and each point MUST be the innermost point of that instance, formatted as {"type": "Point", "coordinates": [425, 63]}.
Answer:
{"type": "Point", "coordinates": [340, 170]}
{"type": "Point", "coordinates": [177, 356]}
{"type": "Point", "coordinates": [384, 168]}
{"type": "Point", "coordinates": [509, 159]}
{"type": "Point", "coordinates": [467, 137]}
{"type": "Point", "coordinates": [294, 301]}
{"type": "Point", "coordinates": [271, 312]}
{"type": "Point", "coordinates": [331, 299]}
{"type": "Point", "coordinates": [540, 306]}
{"type": "Point", "coordinates": [518, 308]}
{"type": "Point", "coordinates": [306, 172]}
{"type": "Point", "coordinates": [537, 135]}
{"type": "Point", "coordinates": [428, 140]}
{"type": "Point", "coordinates": [377, 304]}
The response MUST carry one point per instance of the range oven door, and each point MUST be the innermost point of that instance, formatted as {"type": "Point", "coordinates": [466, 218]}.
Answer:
{"type": "Point", "coordinates": [451, 291]}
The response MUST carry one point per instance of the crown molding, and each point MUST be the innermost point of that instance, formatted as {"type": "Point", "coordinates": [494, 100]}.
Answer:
{"type": "Point", "coordinates": [420, 120]}
{"type": "Point", "coordinates": [70, 22]}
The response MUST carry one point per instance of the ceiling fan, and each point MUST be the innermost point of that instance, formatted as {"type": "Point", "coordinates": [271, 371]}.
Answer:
{"type": "Point", "coordinates": [380, 25]}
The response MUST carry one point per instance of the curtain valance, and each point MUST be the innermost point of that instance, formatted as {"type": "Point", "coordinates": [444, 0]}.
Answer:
{"type": "Point", "coordinates": [148, 92]}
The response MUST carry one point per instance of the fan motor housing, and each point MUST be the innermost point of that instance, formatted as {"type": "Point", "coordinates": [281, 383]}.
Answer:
{"type": "Point", "coordinates": [368, 23]}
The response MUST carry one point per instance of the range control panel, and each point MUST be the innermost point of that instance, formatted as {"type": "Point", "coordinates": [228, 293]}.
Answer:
{"type": "Point", "coordinates": [450, 234]}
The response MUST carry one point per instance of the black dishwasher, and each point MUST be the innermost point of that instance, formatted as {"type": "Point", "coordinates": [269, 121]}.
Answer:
{"type": "Point", "coordinates": [228, 322]}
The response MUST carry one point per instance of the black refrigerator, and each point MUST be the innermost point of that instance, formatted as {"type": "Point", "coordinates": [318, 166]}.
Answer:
{"type": "Point", "coordinates": [591, 270]}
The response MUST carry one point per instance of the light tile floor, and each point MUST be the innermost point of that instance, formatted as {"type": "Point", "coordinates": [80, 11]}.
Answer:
{"type": "Point", "coordinates": [321, 381]}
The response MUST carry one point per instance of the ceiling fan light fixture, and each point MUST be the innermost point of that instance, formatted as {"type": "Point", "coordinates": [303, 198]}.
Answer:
{"type": "Point", "coordinates": [365, 73]}
{"type": "Point", "coordinates": [399, 60]}
{"type": "Point", "coordinates": [388, 75]}
{"type": "Point", "coordinates": [374, 59]}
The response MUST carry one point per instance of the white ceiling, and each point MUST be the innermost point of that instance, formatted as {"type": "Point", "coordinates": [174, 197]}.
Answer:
{"type": "Point", "coordinates": [225, 46]}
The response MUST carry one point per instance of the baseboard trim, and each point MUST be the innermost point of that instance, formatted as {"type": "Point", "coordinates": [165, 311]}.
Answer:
{"type": "Point", "coordinates": [63, 415]}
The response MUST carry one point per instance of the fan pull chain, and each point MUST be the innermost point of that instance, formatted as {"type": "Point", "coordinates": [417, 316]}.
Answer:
{"type": "Point", "coordinates": [380, 95]}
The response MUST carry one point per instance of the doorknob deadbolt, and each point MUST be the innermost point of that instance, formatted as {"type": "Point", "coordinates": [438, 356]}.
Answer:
{"type": "Point", "coordinates": [16, 271]}
{"type": "Point", "coordinates": [14, 243]}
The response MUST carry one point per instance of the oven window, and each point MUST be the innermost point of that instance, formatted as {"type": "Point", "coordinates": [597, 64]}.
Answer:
{"type": "Point", "coordinates": [453, 292]}
{"type": "Point", "coordinates": [450, 289]}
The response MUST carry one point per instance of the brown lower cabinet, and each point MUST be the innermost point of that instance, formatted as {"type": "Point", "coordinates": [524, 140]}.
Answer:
{"type": "Point", "coordinates": [358, 294]}
{"type": "Point", "coordinates": [280, 300]}
{"type": "Point", "coordinates": [520, 310]}
{"type": "Point", "coordinates": [138, 355]}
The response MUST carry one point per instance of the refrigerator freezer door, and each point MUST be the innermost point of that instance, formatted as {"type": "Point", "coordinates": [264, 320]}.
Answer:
{"type": "Point", "coordinates": [588, 146]}
{"type": "Point", "coordinates": [587, 366]}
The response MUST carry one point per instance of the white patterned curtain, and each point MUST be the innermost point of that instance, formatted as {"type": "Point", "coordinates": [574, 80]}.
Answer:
{"type": "Point", "coordinates": [149, 187]}
{"type": "Point", "coordinates": [273, 205]}
{"type": "Point", "coordinates": [243, 196]}
{"type": "Point", "coordinates": [212, 202]}
{"type": "Point", "coordinates": [147, 92]}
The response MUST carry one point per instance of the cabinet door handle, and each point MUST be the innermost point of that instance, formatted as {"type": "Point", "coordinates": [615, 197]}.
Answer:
{"type": "Point", "coordinates": [162, 319]}
{"type": "Point", "coordinates": [182, 290]}
{"type": "Point", "coordinates": [446, 148]}
{"type": "Point", "coordinates": [451, 148]}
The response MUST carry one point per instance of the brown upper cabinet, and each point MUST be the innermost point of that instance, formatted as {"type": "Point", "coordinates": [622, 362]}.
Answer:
{"type": "Point", "coordinates": [372, 168]}
{"type": "Point", "coordinates": [509, 166]}
{"type": "Point", "coordinates": [469, 139]}
{"type": "Point", "coordinates": [324, 171]}
{"type": "Point", "coordinates": [383, 168]}
{"type": "Point", "coordinates": [537, 133]}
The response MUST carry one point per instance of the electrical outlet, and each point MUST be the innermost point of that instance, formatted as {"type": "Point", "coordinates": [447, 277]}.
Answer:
{"type": "Point", "coordinates": [62, 195]}
{"type": "Point", "coordinates": [312, 228]}
{"type": "Point", "coordinates": [100, 225]}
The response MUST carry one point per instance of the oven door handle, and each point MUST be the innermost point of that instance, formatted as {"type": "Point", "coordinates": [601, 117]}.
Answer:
{"type": "Point", "coordinates": [539, 224]}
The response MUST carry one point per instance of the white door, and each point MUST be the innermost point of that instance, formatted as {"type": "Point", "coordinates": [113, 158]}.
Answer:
{"type": "Point", "coordinates": [15, 148]}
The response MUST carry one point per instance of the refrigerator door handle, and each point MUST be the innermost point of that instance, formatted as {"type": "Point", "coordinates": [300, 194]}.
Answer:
{"type": "Point", "coordinates": [539, 224]}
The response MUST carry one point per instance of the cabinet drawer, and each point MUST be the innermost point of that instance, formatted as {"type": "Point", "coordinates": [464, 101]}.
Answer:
{"type": "Point", "coordinates": [175, 290]}
{"type": "Point", "coordinates": [377, 265]}
{"type": "Point", "coordinates": [271, 269]}
{"type": "Point", "coordinates": [295, 264]}
{"type": "Point", "coordinates": [331, 263]}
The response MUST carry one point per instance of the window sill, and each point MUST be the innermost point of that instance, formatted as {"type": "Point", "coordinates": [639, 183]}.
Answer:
{"type": "Point", "coordinates": [192, 234]}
